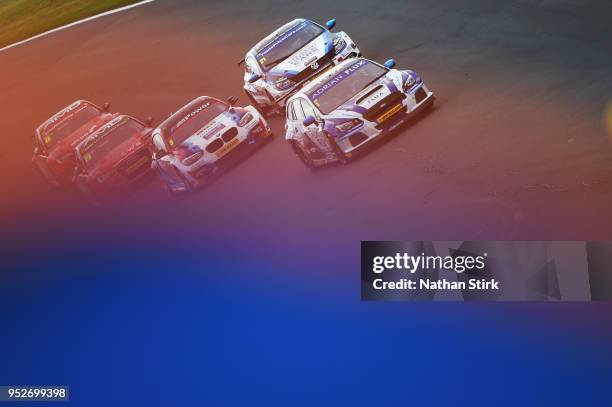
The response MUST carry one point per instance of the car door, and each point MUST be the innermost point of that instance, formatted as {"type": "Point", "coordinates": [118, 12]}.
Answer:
{"type": "Point", "coordinates": [294, 121]}
{"type": "Point", "coordinates": [161, 160]}
{"type": "Point", "coordinates": [314, 132]}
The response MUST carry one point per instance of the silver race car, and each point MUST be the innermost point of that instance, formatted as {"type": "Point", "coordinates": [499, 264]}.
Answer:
{"type": "Point", "coordinates": [349, 106]}
{"type": "Point", "coordinates": [288, 58]}
{"type": "Point", "coordinates": [205, 136]}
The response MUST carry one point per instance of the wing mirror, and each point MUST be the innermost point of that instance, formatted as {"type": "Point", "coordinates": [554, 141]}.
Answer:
{"type": "Point", "coordinates": [330, 24]}
{"type": "Point", "coordinates": [390, 63]}
{"type": "Point", "coordinates": [232, 100]}
{"type": "Point", "coordinates": [253, 78]}
{"type": "Point", "coordinates": [106, 106]}
{"type": "Point", "coordinates": [149, 121]}
{"type": "Point", "coordinates": [309, 120]}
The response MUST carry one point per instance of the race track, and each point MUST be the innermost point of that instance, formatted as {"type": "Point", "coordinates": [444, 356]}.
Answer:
{"type": "Point", "coordinates": [516, 147]}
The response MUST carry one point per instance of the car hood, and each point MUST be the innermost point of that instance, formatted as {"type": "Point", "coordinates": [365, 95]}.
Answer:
{"type": "Point", "coordinates": [370, 96]}
{"type": "Point", "coordinates": [207, 133]}
{"type": "Point", "coordinates": [67, 145]}
{"type": "Point", "coordinates": [304, 57]}
{"type": "Point", "coordinates": [115, 157]}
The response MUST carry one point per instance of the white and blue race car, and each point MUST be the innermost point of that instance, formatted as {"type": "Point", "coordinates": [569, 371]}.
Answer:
{"type": "Point", "coordinates": [349, 106]}
{"type": "Point", "coordinates": [207, 135]}
{"type": "Point", "coordinates": [292, 55]}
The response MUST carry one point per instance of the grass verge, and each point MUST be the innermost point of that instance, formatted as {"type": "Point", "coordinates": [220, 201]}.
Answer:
{"type": "Point", "coordinates": [21, 19]}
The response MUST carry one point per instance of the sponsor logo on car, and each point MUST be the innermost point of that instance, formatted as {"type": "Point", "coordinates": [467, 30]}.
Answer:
{"type": "Point", "coordinates": [61, 114]}
{"type": "Point", "coordinates": [389, 113]}
{"type": "Point", "coordinates": [303, 56]}
{"type": "Point", "coordinates": [266, 50]}
{"type": "Point", "coordinates": [227, 147]}
{"type": "Point", "coordinates": [337, 79]}
{"type": "Point", "coordinates": [209, 130]}
{"type": "Point", "coordinates": [189, 116]}
{"type": "Point", "coordinates": [374, 98]}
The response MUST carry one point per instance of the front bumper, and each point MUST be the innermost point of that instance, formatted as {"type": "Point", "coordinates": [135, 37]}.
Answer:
{"type": "Point", "coordinates": [205, 170]}
{"type": "Point", "coordinates": [411, 107]}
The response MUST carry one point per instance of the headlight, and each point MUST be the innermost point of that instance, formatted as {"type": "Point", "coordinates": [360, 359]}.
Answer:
{"type": "Point", "coordinates": [283, 83]}
{"type": "Point", "coordinates": [348, 125]}
{"type": "Point", "coordinates": [193, 158]}
{"type": "Point", "coordinates": [245, 119]}
{"type": "Point", "coordinates": [339, 44]}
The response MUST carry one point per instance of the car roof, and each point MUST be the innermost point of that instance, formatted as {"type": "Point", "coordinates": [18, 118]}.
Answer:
{"type": "Point", "coordinates": [53, 119]}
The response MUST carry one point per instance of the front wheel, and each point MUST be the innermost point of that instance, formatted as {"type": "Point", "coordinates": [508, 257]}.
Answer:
{"type": "Point", "coordinates": [43, 170]}
{"type": "Point", "coordinates": [263, 110]}
{"type": "Point", "coordinates": [340, 155]}
{"type": "Point", "coordinates": [304, 157]}
{"type": "Point", "coordinates": [183, 180]}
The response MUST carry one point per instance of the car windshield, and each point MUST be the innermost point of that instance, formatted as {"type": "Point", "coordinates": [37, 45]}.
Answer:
{"type": "Point", "coordinates": [345, 84]}
{"type": "Point", "coordinates": [109, 141]}
{"type": "Point", "coordinates": [286, 43]}
{"type": "Point", "coordinates": [68, 124]}
{"type": "Point", "coordinates": [194, 121]}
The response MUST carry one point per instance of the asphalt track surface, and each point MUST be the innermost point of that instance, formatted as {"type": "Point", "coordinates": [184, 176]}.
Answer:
{"type": "Point", "coordinates": [516, 147]}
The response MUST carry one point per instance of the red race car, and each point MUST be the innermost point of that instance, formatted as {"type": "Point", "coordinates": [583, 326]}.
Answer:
{"type": "Point", "coordinates": [112, 158]}
{"type": "Point", "coordinates": [56, 139]}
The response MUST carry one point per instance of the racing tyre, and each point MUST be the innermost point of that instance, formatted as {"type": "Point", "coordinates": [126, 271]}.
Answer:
{"type": "Point", "coordinates": [263, 110]}
{"type": "Point", "coordinates": [184, 180]}
{"type": "Point", "coordinates": [276, 107]}
{"type": "Point", "coordinates": [340, 155]}
{"type": "Point", "coordinates": [302, 155]}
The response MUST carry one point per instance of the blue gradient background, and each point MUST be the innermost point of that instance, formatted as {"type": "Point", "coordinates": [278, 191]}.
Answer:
{"type": "Point", "coordinates": [131, 317]}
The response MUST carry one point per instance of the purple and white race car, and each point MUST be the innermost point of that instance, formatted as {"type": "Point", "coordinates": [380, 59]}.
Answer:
{"type": "Point", "coordinates": [284, 61]}
{"type": "Point", "coordinates": [349, 106]}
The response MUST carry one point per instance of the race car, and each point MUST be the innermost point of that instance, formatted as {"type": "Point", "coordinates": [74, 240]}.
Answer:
{"type": "Point", "coordinates": [112, 158]}
{"type": "Point", "coordinates": [292, 55]}
{"type": "Point", "coordinates": [55, 139]}
{"type": "Point", "coordinates": [204, 137]}
{"type": "Point", "coordinates": [349, 106]}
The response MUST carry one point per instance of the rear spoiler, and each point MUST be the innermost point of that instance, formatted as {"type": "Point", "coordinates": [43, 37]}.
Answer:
{"type": "Point", "coordinates": [241, 62]}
